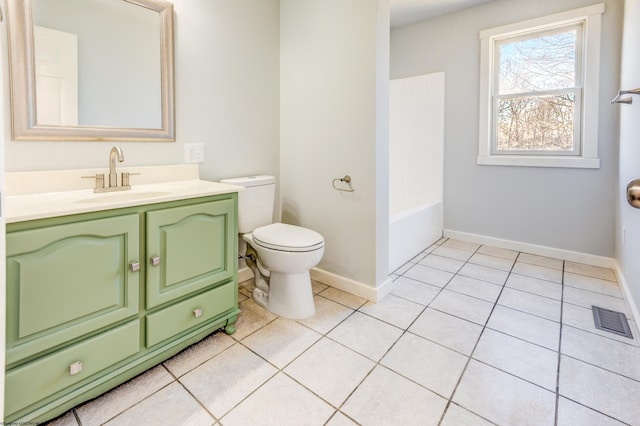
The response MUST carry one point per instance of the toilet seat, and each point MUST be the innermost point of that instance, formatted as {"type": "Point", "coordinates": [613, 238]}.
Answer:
{"type": "Point", "coordinates": [284, 237]}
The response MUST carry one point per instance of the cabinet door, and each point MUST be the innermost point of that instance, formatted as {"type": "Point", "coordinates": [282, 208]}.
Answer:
{"type": "Point", "coordinates": [189, 248]}
{"type": "Point", "coordinates": [68, 280]}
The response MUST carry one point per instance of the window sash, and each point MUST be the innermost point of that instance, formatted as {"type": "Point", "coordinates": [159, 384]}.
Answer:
{"type": "Point", "coordinates": [577, 120]}
{"type": "Point", "coordinates": [576, 90]}
{"type": "Point", "coordinates": [538, 33]}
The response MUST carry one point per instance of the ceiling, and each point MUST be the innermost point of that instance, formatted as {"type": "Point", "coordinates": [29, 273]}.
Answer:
{"type": "Point", "coordinates": [404, 12]}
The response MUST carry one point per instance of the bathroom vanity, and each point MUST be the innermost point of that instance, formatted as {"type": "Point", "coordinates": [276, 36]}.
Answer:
{"type": "Point", "coordinates": [101, 287]}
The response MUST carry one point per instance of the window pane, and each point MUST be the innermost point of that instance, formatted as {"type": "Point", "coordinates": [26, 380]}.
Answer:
{"type": "Point", "coordinates": [541, 63]}
{"type": "Point", "coordinates": [543, 123]}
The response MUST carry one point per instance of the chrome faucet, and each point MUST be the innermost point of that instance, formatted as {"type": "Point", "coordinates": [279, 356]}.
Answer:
{"type": "Point", "coordinates": [113, 176]}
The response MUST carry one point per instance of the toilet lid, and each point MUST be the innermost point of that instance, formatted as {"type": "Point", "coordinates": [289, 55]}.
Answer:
{"type": "Point", "coordinates": [283, 237]}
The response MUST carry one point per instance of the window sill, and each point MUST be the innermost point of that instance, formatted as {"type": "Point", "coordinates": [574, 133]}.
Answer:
{"type": "Point", "coordinates": [546, 161]}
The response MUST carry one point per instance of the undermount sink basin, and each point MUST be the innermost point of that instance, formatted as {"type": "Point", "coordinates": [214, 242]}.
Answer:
{"type": "Point", "coordinates": [116, 197]}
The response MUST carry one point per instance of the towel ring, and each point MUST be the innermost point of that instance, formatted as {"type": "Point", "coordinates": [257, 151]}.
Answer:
{"type": "Point", "coordinates": [347, 180]}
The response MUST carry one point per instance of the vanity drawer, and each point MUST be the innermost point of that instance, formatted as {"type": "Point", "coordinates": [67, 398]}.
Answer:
{"type": "Point", "coordinates": [36, 380]}
{"type": "Point", "coordinates": [196, 310]}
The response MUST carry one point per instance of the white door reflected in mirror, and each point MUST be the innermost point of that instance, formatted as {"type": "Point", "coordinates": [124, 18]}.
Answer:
{"type": "Point", "coordinates": [56, 58]}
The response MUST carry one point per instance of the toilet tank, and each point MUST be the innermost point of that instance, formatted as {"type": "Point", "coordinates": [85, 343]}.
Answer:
{"type": "Point", "coordinates": [255, 203]}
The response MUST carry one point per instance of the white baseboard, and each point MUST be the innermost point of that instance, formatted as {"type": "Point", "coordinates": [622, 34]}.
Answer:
{"type": "Point", "coordinates": [374, 294]}
{"type": "Point", "coordinates": [631, 305]}
{"type": "Point", "coordinates": [573, 256]}
{"type": "Point", "coordinates": [333, 280]}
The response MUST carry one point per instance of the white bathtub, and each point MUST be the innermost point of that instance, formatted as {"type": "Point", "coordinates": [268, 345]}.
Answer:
{"type": "Point", "coordinates": [412, 231]}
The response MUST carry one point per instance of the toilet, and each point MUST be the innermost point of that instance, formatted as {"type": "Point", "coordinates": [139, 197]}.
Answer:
{"type": "Point", "coordinates": [280, 255]}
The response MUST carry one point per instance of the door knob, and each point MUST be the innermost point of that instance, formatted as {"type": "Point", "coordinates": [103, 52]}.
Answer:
{"type": "Point", "coordinates": [633, 193]}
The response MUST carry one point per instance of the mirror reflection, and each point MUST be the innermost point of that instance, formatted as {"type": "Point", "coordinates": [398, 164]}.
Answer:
{"type": "Point", "coordinates": [97, 63]}
{"type": "Point", "coordinates": [91, 69]}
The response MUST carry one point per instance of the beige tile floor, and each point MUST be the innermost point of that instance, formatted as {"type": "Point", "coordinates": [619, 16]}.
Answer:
{"type": "Point", "coordinates": [470, 335]}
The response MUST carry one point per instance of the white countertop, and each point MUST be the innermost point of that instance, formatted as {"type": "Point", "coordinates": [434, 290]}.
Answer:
{"type": "Point", "coordinates": [63, 199]}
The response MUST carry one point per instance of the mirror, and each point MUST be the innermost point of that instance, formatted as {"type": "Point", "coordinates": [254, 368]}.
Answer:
{"type": "Point", "coordinates": [77, 75]}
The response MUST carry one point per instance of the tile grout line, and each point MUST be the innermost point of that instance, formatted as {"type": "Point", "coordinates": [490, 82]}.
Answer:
{"type": "Point", "coordinates": [468, 261]}
{"type": "Point", "coordinates": [560, 357]}
{"type": "Point", "coordinates": [562, 325]}
{"type": "Point", "coordinates": [145, 398]}
{"type": "Point", "coordinates": [281, 370]}
{"type": "Point", "coordinates": [555, 421]}
{"type": "Point", "coordinates": [77, 416]}
{"type": "Point", "coordinates": [470, 356]}
{"type": "Point", "coordinates": [177, 380]}
{"type": "Point", "coordinates": [404, 331]}
{"type": "Point", "coordinates": [324, 335]}
{"type": "Point", "coordinates": [599, 367]}
{"type": "Point", "coordinates": [509, 273]}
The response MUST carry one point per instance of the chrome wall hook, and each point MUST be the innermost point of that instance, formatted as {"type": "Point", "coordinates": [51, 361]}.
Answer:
{"type": "Point", "coordinates": [347, 180]}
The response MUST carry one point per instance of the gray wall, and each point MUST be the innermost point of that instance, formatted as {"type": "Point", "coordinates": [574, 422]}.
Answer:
{"type": "Point", "coordinates": [570, 209]}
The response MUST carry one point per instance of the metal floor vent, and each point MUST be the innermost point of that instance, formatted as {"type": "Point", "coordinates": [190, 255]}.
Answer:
{"type": "Point", "coordinates": [612, 321]}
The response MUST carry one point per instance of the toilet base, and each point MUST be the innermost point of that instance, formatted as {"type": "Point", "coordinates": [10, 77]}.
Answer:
{"type": "Point", "coordinates": [289, 295]}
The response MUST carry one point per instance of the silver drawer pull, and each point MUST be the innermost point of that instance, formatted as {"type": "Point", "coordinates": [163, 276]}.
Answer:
{"type": "Point", "coordinates": [197, 312]}
{"type": "Point", "coordinates": [134, 266]}
{"type": "Point", "coordinates": [155, 260]}
{"type": "Point", "coordinates": [75, 368]}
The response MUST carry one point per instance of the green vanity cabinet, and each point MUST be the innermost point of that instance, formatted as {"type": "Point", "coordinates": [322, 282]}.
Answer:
{"type": "Point", "coordinates": [95, 299]}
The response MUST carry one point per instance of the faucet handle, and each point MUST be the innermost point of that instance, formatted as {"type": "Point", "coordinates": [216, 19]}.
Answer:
{"type": "Point", "coordinates": [99, 177]}
{"type": "Point", "coordinates": [124, 178]}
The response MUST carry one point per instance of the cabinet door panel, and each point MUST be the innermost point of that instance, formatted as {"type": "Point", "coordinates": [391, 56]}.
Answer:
{"type": "Point", "coordinates": [198, 233]}
{"type": "Point", "coordinates": [69, 280]}
{"type": "Point", "coordinates": [195, 245]}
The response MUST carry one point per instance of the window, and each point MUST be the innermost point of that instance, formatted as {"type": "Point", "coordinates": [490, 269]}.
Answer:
{"type": "Point", "coordinates": [539, 91]}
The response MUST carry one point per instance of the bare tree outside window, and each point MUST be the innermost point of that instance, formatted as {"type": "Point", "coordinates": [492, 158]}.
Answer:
{"type": "Point", "coordinates": [535, 103]}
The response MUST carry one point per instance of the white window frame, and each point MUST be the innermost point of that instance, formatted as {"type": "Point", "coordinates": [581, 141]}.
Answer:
{"type": "Point", "coordinates": [586, 116]}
